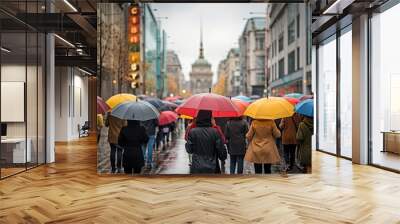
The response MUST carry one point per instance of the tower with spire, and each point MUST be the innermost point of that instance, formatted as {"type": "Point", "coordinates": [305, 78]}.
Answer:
{"type": "Point", "coordinates": [201, 74]}
{"type": "Point", "coordinates": [201, 54]}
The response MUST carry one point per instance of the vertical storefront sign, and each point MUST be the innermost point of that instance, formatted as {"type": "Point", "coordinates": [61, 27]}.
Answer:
{"type": "Point", "coordinates": [134, 46]}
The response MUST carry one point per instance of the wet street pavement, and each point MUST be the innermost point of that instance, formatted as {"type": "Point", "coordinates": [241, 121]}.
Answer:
{"type": "Point", "coordinates": [175, 160]}
{"type": "Point", "coordinates": [170, 158]}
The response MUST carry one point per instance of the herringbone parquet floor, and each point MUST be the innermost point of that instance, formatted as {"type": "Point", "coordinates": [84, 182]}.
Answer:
{"type": "Point", "coordinates": [70, 191]}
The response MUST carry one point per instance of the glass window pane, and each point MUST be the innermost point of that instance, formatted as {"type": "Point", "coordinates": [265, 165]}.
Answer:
{"type": "Point", "coordinates": [346, 94]}
{"type": "Point", "coordinates": [14, 153]}
{"type": "Point", "coordinates": [281, 42]}
{"type": "Point", "coordinates": [41, 99]}
{"type": "Point", "coordinates": [327, 97]}
{"type": "Point", "coordinates": [385, 84]}
{"type": "Point", "coordinates": [281, 67]}
{"type": "Point", "coordinates": [291, 62]}
{"type": "Point", "coordinates": [291, 32]}
{"type": "Point", "coordinates": [31, 97]}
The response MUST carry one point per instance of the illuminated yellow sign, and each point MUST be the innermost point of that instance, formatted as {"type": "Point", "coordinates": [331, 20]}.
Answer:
{"type": "Point", "coordinates": [134, 45]}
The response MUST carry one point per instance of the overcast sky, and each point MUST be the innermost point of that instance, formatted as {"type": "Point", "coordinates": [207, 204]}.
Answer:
{"type": "Point", "coordinates": [222, 26]}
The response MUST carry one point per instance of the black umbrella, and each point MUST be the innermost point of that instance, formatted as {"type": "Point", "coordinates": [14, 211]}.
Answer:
{"type": "Point", "coordinates": [168, 106]}
{"type": "Point", "coordinates": [157, 103]}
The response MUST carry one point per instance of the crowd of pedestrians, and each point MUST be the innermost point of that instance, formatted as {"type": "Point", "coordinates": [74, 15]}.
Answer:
{"type": "Point", "coordinates": [254, 141]}
{"type": "Point", "coordinates": [132, 143]}
{"type": "Point", "coordinates": [210, 142]}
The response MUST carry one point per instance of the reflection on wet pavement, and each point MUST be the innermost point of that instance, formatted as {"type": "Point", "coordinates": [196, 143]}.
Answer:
{"type": "Point", "coordinates": [171, 158]}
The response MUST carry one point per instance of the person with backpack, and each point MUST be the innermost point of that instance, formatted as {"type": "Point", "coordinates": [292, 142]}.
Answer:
{"type": "Point", "coordinates": [205, 144]}
{"type": "Point", "coordinates": [304, 138]}
{"type": "Point", "coordinates": [289, 127]}
{"type": "Point", "coordinates": [150, 126]}
{"type": "Point", "coordinates": [115, 125]}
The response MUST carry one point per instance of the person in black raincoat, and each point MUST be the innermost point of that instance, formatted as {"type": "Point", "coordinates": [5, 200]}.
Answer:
{"type": "Point", "coordinates": [131, 139]}
{"type": "Point", "coordinates": [235, 133]}
{"type": "Point", "coordinates": [205, 145]}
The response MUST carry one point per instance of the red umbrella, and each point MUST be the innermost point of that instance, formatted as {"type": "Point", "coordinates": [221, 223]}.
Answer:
{"type": "Point", "coordinates": [173, 98]}
{"type": "Point", "coordinates": [292, 100]}
{"type": "Point", "coordinates": [167, 117]}
{"type": "Point", "coordinates": [221, 106]}
{"type": "Point", "coordinates": [102, 107]}
{"type": "Point", "coordinates": [240, 104]}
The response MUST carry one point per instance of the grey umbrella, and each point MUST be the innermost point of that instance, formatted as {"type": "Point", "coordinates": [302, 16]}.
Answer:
{"type": "Point", "coordinates": [135, 110]}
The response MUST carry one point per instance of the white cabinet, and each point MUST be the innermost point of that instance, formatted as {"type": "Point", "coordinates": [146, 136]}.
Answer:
{"type": "Point", "coordinates": [17, 145]}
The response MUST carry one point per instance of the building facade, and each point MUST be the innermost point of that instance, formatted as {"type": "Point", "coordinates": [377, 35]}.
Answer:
{"type": "Point", "coordinates": [289, 58]}
{"type": "Point", "coordinates": [252, 56]}
{"type": "Point", "coordinates": [201, 75]}
{"type": "Point", "coordinates": [230, 68]}
{"type": "Point", "coordinates": [153, 54]}
{"type": "Point", "coordinates": [175, 76]}
{"type": "Point", "coordinates": [113, 58]}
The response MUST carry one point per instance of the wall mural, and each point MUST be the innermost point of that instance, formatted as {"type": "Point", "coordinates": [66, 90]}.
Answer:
{"type": "Point", "coordinates": [190, 89]}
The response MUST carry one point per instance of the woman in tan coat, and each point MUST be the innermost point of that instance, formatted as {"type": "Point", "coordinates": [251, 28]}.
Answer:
{"type": "Point", "coordinates": [262, 149]}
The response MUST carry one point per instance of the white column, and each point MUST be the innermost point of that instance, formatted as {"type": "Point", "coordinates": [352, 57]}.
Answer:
{"type": "Point", "coordinates": [360, 90]}
{"type": "Point", "coordinates": [50, 101]}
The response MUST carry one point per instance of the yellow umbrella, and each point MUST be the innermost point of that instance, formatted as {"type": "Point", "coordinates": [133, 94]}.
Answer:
{"type": "Point", "coordinates": [120, 98]}
{"type": "Point", "coordinates": [270, 108]}
{"type": "Point", "coordinates": [186, 117]}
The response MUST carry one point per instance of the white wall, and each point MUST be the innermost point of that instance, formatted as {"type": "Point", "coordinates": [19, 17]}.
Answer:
{"type": "Point", "coordinates": [71, 103]}
{"type": "Point", "coordinates": [33, 127]}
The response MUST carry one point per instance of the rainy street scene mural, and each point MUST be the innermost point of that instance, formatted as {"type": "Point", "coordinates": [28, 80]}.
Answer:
{"type": "Point", "coordinates": [204, 89]}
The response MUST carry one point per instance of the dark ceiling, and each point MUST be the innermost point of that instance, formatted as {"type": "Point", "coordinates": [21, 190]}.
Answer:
{"type": "Point", "coordinates": [76, 26]}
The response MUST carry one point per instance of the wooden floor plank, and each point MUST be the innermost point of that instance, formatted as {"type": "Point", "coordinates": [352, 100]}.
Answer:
{"type": "Point", "coordinates": [71, 191]}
